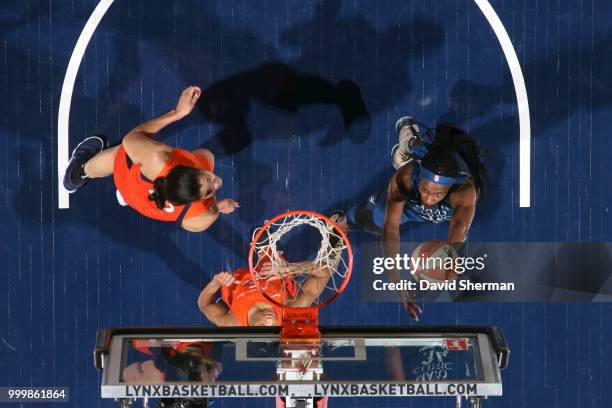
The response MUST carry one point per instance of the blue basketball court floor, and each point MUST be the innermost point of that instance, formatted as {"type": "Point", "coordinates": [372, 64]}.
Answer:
{"type": "Point", "coordinates": [68, 271]}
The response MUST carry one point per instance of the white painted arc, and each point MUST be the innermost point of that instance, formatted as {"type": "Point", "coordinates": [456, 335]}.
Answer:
{"type": "Point", "coordinates": [63, 117]}
{"type": "Point", "coordinates": [521, 101]}
{"type": "Point", "coordinates": [486, 8]}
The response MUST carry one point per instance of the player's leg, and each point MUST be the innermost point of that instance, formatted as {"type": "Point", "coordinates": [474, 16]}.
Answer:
{"type": "Point", "coordinates": [89, 160]}
{"type": "Point", "coordinates": [358, 217]}
{"type": "Point", "coordinates": [409, 135]}
{"type": "Point", "coordinates": [368, 216]}
{"type": "Point", "coordinates": [101, 165]}
{"type": "Point", "coordinates": [364, 216]}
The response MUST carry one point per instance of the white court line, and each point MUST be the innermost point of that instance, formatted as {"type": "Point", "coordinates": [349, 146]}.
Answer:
{"type": "Point", "coordinates": [521, 100]}
{"type": "Point", "coordinates": [63, 116]}
{"type": "Point", "coordinates": [485, 7]}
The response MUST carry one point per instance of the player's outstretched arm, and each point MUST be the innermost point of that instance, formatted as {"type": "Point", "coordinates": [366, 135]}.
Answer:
{"type": "Point", "coordinates": [310, 290]}
{"type": "Point", "coordinates": [227, 205]}
{"type": "Point", "coordinates": [394, 208]}
{"type": "Point", "coordinates": [286, 269]}
{"type": "Point", "coordinates": [139, 144]}
{"type": "Point", "coordinates": [187, 100]}
{"type": "Point", "coordinates": [201, 222]}
{"type": "Point", "coordinates": [313, 287]}
{"type": "Point", "coordinates": [395, 366]}
{"type": "Point", "coordinates": [464, 209]}
{"type": "Point", "coordinates": [214, 312]}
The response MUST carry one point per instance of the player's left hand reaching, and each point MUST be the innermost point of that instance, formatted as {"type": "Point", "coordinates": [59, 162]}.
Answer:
{"type": "Point", "coordinates": [412, 308]}
{"type": "Point", "coordinates": [227, 205]}
{"type": "Point", "coordinates": [187, 100]}
{"type": "Point", "coordinates": [224, 279]}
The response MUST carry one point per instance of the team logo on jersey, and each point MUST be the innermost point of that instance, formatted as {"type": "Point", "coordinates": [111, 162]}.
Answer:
{"type": "Point", "coordinates": [437, 214]}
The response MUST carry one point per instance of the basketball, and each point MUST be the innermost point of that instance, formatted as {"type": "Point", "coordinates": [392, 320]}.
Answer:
{"type": "Point", "coordinates": [435, 262]}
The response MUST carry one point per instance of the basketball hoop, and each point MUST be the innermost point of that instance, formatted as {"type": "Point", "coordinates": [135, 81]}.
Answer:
{"type": "Point", "coordinates": [334, 259]}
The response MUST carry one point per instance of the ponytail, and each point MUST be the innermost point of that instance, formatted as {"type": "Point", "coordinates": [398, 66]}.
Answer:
{"type": "Point", "coordinates": [159, 192]}
{"type": "Point", "coordinates": [180, 186]}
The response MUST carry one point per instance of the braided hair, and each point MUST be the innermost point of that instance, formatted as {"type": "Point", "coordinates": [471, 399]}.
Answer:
{"type": "Point", "coordinates": [439, 159]}
{"type": "Point", "coordinates": [180, 186]}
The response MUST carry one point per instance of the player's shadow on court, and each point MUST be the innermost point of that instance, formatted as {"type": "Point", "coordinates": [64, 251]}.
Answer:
{"type": "Point", "coordinates": [469, 99]}
{"type": "Point", "coordinates": [588, 92]}
{"type": "Point", "coordinates": [279, 87]}
{"type": "Point", "coordinates": [278, 101]}
{"type": "Point", "coordinates": [259, 99]}
{"type": "Point", "coordinates": [375, 57]}
{"type": "Point", "coordinates": [327, 44]}
{"type": "Point", "coordinates": [278, 94]}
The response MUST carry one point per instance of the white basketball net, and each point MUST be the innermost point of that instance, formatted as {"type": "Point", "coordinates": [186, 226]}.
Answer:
{"type": "Point", "coordinates": [329, 265]}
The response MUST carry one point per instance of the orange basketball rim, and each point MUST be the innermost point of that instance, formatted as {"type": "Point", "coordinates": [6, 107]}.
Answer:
{"type": "Point", "coordinates": [301, 323]}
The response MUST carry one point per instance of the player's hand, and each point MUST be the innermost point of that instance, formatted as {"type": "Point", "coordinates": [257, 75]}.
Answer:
{"type": "Point", "coordinates": [227, 206]}
{"type": "Point", "coordinates": [412, 308]}
{"type": "Point", "coordinates": [143, 373]}
{"type": "Point", "coordinates": [224, 279]}
{"type": "Point", "coordinates": [272, 272]}
{"type": "Point", "coordinates": [187, 100]}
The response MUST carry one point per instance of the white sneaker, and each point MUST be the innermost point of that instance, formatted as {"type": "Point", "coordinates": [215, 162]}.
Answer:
{"type": "Point", "coordinates": [408, 134]}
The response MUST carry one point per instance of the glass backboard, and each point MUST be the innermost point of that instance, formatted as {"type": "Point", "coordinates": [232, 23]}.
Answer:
{"type": "Point", "coordinates": [206, 363]}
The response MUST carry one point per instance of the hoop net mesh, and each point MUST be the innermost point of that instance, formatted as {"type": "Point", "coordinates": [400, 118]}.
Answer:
{"type": "Point", "coordinates": [325, 272]}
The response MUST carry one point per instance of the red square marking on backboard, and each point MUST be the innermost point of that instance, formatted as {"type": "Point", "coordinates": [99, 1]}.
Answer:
{"type": "Point", "coordinates": [456, 344]}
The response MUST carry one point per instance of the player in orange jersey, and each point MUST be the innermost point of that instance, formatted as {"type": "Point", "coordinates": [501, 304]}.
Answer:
{"type": "Point", "coordinates": [248, 306]}
{"type": "Point", "coordinates": [159, 181]}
